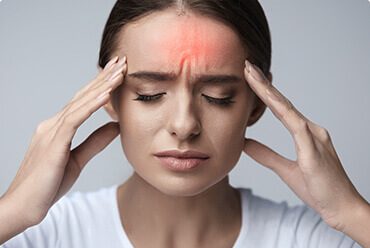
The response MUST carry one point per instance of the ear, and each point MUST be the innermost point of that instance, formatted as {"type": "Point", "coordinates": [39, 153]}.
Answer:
{"type": "Point", "coordinates": [259, 108]}
{"type": "Point", "coordinates": [110, 110]}
{"type": "Point", "coordinates": [109, 106]}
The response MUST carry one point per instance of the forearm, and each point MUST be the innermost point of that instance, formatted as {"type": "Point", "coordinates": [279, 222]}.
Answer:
{"type": "Point", "coordinates": [11, 221]}
{"type": "Point", "coordinates": [357, 224]}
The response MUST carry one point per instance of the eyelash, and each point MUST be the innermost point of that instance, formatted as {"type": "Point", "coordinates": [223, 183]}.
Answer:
{"type": "Point", "coordinates": [219, 101]}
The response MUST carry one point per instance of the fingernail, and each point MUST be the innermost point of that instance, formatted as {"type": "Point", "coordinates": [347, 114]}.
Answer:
{"type": "Point", "coordinates": [121, 62]}
{"type": "Point", "coordinates": [256, 74]}
{"type": "Point", "coordinates": [118, 69]}
{"type": "Point", "coordinates": [248, 65]}
{"type": "Point", "coordinates": [111, 62]}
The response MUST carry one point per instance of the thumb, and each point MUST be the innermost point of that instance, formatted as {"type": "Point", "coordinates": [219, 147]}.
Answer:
{"type": "Point", "coordinates": [80, 155]}
{"type": "Point", "coordinates": [267, 157]}
{"type": "Point", "coordinates": [95, 143]}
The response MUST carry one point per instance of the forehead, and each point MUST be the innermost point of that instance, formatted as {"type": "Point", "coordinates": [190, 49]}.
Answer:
{"type": "Point", "coordinates": [165, 41]}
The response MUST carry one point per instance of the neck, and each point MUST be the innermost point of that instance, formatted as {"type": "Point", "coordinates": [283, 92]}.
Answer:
{"type": "Point", "coordinates": [152, 217]}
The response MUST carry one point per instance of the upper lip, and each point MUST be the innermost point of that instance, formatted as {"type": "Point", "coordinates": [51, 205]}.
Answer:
{"type": "Point", "coordinates": [182, 154]}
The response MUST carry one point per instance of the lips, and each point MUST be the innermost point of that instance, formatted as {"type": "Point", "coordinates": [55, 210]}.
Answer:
{"type": "Point", "coordinates": [182, 154]}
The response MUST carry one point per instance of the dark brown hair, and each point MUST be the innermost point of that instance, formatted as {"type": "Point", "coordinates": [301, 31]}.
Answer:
{"type": "Point", "coordinates": [245, 17]}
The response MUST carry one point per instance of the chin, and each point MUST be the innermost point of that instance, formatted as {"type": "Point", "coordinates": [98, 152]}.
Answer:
{"type": "Point", "coordinates": [182, 186]}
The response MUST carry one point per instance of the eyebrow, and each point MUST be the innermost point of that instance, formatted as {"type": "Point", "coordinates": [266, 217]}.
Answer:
{"type": "Point", "coordinates": [152, 76]}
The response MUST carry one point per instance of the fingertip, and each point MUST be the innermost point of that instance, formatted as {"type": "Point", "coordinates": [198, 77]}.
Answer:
{"type": "Point", "coordinates": [248, 66]}
{"type": "Point", "coordinates": [247, 71]}
{"type": "Point", "coordinates": [110, 63]}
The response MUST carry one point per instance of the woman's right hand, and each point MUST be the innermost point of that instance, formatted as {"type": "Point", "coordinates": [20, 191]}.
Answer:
{"type": "Point", "coordinates": [50, 168]}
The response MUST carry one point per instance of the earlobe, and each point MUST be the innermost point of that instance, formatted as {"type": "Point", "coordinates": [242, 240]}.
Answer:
{"type": "Point", "coordinates": [257, 112]}
{"type": "Point", "coordinates": [110, 110]}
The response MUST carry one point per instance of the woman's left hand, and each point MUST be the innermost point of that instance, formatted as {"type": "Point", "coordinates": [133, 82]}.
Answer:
{"type": "Point", "coordinates": [317, 176]}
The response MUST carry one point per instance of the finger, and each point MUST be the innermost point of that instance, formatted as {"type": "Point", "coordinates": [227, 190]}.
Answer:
{"type": "Point", "coordinates": [267, 157]}
{"type": "Point", "coordinates": [119, 69]}
{"type": "Point", "coordinates": [113, 82]}
{"type": "Point", "coordinates": [71, 121]}
{"type": "Point", "coordinates": [82, 154]}
{"type": "Point", "coordinates": [286, 169]}
{"type": "Point", "coordinates": [95, 143]}
{"type": "Point", "coordinates": [296, 123]}
{"type": "Point", "coordinates": [102, 76]}
{"type": "Point", "coordinates": [113, 79]}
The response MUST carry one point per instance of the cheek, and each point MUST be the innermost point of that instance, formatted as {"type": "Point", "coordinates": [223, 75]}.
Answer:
{"type": "Point", "coordinates": [137, 126]}
{"type": "Point", "coordinates": [228, 142]}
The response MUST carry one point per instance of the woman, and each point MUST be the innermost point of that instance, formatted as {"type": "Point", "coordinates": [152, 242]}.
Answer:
{"type": "Point", "coordinates": [190, 78]}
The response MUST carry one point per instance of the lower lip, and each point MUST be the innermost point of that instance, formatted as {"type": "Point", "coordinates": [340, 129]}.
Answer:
{"type": "Point", "coordinates": [178, 164]}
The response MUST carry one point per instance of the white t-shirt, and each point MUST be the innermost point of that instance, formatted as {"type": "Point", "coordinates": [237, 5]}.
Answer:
{"type": "Point", "coordinates": [91, 219]}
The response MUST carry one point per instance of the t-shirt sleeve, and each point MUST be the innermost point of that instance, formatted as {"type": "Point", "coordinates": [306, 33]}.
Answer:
{"type": "Point", "coordinates": [278, 225]}
{"type": "Point", "coordinates": [311, 231]}
{"type": "Point", "coordinates": [44, 234]}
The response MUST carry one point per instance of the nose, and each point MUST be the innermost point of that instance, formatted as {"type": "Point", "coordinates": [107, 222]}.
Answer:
{"type": "Point", "coordinates": [184, 121]}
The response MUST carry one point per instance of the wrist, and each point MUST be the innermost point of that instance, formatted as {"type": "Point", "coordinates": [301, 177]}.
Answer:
{"type": "Point", "coordinates": [11, 222]}
{"type": "Point", "coordinates": [12, 214]}
{"type": "Point", "coordinates": [356, 223]}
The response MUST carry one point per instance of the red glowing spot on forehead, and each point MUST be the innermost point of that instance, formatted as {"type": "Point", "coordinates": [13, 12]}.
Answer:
{"type": "Point", "coordinates": [166, 42]}
{"type": "Point", "coordinates": [188, 40]}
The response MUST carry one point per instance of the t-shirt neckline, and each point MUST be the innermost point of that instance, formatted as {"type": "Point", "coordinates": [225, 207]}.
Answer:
{"type": "Point", "coordinates": [125, 241]}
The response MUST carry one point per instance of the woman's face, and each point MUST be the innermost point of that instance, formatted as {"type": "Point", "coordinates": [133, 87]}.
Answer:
{"type": "Point", "coordinates": [181, 116]}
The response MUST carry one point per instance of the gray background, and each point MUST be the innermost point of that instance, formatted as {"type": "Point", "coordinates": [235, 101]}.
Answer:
{"type": "Point", "coordinates": [321, 62]}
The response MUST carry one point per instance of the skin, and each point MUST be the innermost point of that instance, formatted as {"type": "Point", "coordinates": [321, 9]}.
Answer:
{"type": "Point", "coordinates": [181, 210]}
{"type": "Point", "coordinates": [190, 208]}
{"type": "Point", "coordinates": [158, 206]}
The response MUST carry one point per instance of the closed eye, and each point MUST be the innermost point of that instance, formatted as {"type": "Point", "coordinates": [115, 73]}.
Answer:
{"type": "Point", "coordinates": [219, 101]}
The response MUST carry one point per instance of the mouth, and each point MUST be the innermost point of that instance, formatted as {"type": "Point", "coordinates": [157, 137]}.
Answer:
{"type": "Point", "coordinates": [181, 164]}
{"type": "Point", "coordinates": [181, 161]}
{"type": "Point", "coordinates": [188, 154]}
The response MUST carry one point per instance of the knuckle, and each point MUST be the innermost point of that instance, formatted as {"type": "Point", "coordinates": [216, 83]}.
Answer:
{"type": "Point", "coordinates": [289, 111]}
{"type": "Point", "coordinates": [75, 97]}
{"type": "Point", "coordinates": [324, 134]}
{"type": "Point", "coordinates": [290, 105]}
{"type": "Point", "coordinates": [42, 127]}
{"type": "Point", "coordinates": [80, 92]}
{"type": "Point", "coordinates": [68, 120]}
{"type": "Point", "coordinates": [66, 107]}
{"type": "Point", "coordinates": [302, 126]}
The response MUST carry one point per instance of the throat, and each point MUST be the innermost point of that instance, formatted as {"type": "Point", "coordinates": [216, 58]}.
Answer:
{"type": "Point", "coordinates": [150, 217]}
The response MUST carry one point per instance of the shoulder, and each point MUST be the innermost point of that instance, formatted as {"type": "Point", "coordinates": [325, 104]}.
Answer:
{"type": "Point", "coordinates": [285, 225]}
{"type": "Point", "coordinates": [85, 209]}
{"type": "Point", "coordinates": [266, 208]}
{"type": "Point", "coordinates": [72, 221]}
{"type": "Point", "coordinates": [83, 201]}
